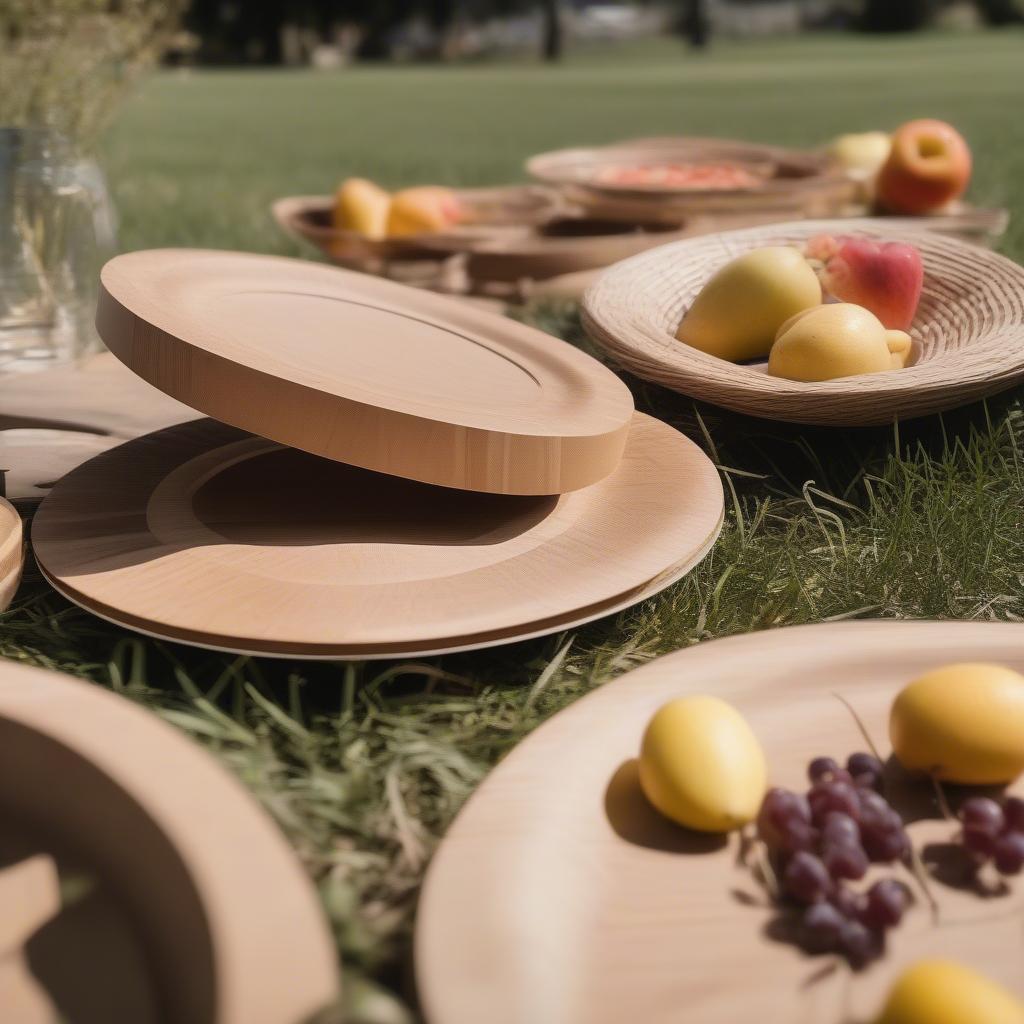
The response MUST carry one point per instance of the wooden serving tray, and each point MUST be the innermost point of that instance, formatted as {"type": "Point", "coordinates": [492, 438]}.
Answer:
{"type": "Point", "coordinates": [968, 332]}
{"type": "Point", "coordinates": [365, 371]}
{"type": "Point", "coordinates": [560, 896]}
{"type": "Point", "coordinates": [209, 535]}
{"type": "Point", "coordinates": [140, 882]}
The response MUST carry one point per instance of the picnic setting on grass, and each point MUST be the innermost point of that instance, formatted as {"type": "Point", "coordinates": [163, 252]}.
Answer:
{"type": "Point", "coordinates": [511, 513]}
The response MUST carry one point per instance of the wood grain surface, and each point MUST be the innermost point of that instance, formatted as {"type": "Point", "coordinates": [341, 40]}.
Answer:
{"type": "Point", "coordinates": [191, 906]}
{"type": "Point", "coordinates": [560, 897]}
{"type": "Point", "coordinates": [968, 332]}
{"type": "Point", "coordinates": [12, 552]}
{"type": "Point", "coordinates": [206, 534]}
{"type": "Point", "coordinates": [365, 371]}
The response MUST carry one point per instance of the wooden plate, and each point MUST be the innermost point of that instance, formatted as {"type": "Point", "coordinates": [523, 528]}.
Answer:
{"type": "Point", "coordinates": [34, 459]}
{"type": "Point", "coordinates": [968, 333]}
{"type": "Point", "coordinates": [139, 881]}
{"type": "Point", "coordinates": [206, 534]}
{"type": "Point", "coordinates": [559, 896]}
{"type": "Point", "coordinates": [12, 552]}
{"type": "Point", "coordinates": [309, 218]}
{"type": "Point", "coordinates": [365, 371]}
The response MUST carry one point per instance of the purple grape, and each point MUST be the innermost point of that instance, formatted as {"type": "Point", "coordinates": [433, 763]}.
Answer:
{"type": "Point", "coordinates": [872, 805]}
{"type": "Point", "coordinates": [822, 927]}
{"type": "Point", "coordinates": [848, 902]}
{"type": "Point", "coordinates": [806, 879]}
{"type": "Point", "coordinates": [845, 860]}
{"type": "Point", "coordinates": [979, 814]}
{"type": "Point", "coordinates": [885, 841]}
{"type": "Point", "coordinates": [866, 770]}
{"type": "Point", "coordinates": [886, 904]}
{"type": "Point", "coordinates": [980, 845]}
{"type": "Point", "coordinates": [1009, 853]}
{"type": "Point", "coordinates": [784, 822]}
{"type": "Point", "coordinates": [860, 944]}
{"type": "Point", "coordinates": [822, 768]}
{"type": "Point", "coordinates": [1013, 813]}
{"type": "Point", "coordinates": [834, 795]}
{"type": "Point", "coordinates": [840, 828]}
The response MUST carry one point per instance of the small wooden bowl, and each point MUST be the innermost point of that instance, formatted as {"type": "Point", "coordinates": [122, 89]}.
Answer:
{"type": "Point", "coordinates": [309, 217]}
{"type": "Point", "coordinates": [968, 333]}
{"type": "Point", "coordinates": [12, 552]}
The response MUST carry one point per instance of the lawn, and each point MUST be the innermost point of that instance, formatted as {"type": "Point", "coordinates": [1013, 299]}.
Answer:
{"type": "Point", "coordinates": [364, 765]}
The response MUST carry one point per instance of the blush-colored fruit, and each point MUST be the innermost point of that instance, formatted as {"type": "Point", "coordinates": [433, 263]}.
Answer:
{"type": "Point", "coordinates": [861, 154]}
{"type": "Point", "coordinates": [736, 314]}
{"type": "Point", "coordinates": [701, 765]}
{"type": "Point", "coordinates": [836, 340]}
{"type": "Point", "coordinates": [885, 277]}
{"type": "Point", "coordinates": [929, 166]}
{"type": "Point", "coordinates": [425, 208]}
{"type": "Point", "coordinates": [361, 206]}
{"type": "Point", "coordinates": [962, 723]}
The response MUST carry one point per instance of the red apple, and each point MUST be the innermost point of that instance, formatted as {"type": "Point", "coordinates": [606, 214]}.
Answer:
{"type": "Point", "coordinates": [883, 277]}
{"type": "Point", "coordinates": [929, 165]}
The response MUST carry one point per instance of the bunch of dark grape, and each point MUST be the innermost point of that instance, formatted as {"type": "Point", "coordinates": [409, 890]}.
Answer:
{"type": "Point", "coordinates": [829, 836]}
{"type": "Point", "coordinates": [994, 832]}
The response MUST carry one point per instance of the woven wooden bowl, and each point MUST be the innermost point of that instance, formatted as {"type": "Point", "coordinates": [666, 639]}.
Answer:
{"type": "Point", "coordinates": [968, 333]}
{"type": "Point", "coordinates": [309, 217]}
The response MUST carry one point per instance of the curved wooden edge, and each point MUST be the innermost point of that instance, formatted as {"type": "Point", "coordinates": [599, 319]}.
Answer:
{"type": "Point", "coordinates": [12, 552]}
{"type": "Point", "coordinates": [274, 958]}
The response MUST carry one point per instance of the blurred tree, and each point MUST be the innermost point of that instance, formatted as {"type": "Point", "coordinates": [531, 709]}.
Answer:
{"type": "Point", "coordinates": [553, 39]}
{"type": "Point", "coordinates": [896, 15]}
{"type": "Point", "coordinates": [1000, 12]}
{"type": "Point", "coordinates": [696, 24]}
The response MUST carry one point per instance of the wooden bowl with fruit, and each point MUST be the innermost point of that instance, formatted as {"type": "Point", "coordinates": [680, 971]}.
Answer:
{"type": "Point", "coordinates": [815, 825]}
{"type": "Point", "coordinates": [840, 322]}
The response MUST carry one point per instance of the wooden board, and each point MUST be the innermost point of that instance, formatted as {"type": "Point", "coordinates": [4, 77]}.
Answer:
{"type": "Point", "coordinates": [968, 332]}
{"type": "Point", "coordinates": [559, 896]}
{"type": "Point", "coordinates": [33, 459]}
{"type": "Point", "coordinates": [12, 552]}
{"type": "Point", "coordinates": [365, 371]}
{"type": "Point", "coordinates": [206, 534]}
{"type": "Point", "coordinates": [179, 901]}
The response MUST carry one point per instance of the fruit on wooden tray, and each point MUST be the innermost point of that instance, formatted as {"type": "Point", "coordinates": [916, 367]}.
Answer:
{"type": "Point", "coordinates": [946, 992]}
{"type": "Point", "coordinates": [884, 277]}
{"type": "Point", "coordinates": [361, 206]}
{"type": "Point", "coordinates": [836, 340]}
{"type": "Point", "coordinates": [861, 154]}
{"type": "Point", "coordinates": [736, 315]}
{"type": "Point", "coordinates": [928, 167]}
{"type": "Point", "coordinates": [678, 176]}
{"type": "Point", "coordinates": [425, 208]}
{"type": "Point", "coordinates": [961, 723]}
{"type": "Point", "coordinates": [701, 765]}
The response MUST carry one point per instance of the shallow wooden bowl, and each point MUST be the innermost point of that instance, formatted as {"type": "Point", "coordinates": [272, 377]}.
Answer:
{"type": "Point", "coordinates": [559, 896]}
{"type": "Point", "coordinates": [968, 333]}
{"type": "Point", "coordinates": [139, 881]}
{"type": "Point", "coordinates": [12, 552]}
{"type": "Point", "coordinates": [309, 218]}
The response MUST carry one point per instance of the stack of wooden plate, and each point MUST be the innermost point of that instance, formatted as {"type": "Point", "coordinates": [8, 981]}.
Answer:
{"type": "Point", "coordinates": [386, 471]}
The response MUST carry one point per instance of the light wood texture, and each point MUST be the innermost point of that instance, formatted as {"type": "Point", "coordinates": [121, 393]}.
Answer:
{"type": "Point", "coordinates": [206, 534]}
{"type": "Point", "coordinates": [365, 371]}
{"type": "Point", "coordinates": [968, 333]}
{"type": "Point", "coordinates": [309, 218]}
{"type": "Point", "coordinates": [34, 459]}
{"type": "Point", "coordinates": [12, 552]}
{"type": "Point", "coordinates": [99, 396]}
{"type": "Point", "coordinates": [193, 910]}
{"type": "Point", "coordinates": [560, 897]}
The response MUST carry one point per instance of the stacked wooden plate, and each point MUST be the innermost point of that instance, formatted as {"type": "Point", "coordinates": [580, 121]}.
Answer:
{"type": "Point", "coordinates": [560, 895]}
{"type": "Point", "coordinates": [386, 471]}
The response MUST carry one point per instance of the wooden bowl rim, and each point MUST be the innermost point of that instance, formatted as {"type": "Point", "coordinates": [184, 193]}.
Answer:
{"type": "Point", "coordinates": [12, 552]}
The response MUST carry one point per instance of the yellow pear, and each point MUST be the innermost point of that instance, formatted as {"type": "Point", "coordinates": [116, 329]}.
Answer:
{"type": "Point", "coordinates": [425, 208]}
{"type": "Point", "coordinates": [736, 314]}
{"type": "Point", "coordinates": [836, 340]}
{"type": "Point", "coordinates": [945, 992]}
{"type": "Point", "coordinates": [861, 153]}
{"type": "Point", "coordinates": [361, 206]}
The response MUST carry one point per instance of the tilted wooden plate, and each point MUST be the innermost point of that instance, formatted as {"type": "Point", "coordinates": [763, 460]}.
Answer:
{"type": "Point", "coordinates": [12, 552]}
{"type": "Point", "coordinates": [560, 896]}
{"type": "Point", "coordinates": [309, 218]}
{"type": "Point", "coordinates": [365, 371]}
{"type": "Point", "coordinates": [968, 332]}
{"type": "Point", "coordinates": [206, 534]}
{"type": "Point", "coordinates": [183, 904]}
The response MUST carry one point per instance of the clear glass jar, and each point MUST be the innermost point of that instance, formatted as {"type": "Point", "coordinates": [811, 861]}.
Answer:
{"type": "Point", "coordinates": [56, 230]}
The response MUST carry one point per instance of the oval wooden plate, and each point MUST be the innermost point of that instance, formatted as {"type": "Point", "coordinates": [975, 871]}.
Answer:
{"type": "Point", "coordinates": [968, 332]}
{"type": "Point", "coordinates": [12, 552]}
{"type": "Point", "coordinates": [182, 903]}
{"type": "Point", "coordinates": [560, 896]}
{"type": "Point", "coordinates": [206, 534]}
{"type": "Point", "coordinates": [365, 371]}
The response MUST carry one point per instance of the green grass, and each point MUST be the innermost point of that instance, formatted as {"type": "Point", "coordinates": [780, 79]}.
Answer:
{"type": "Point", "coordinates": [364, 765]}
